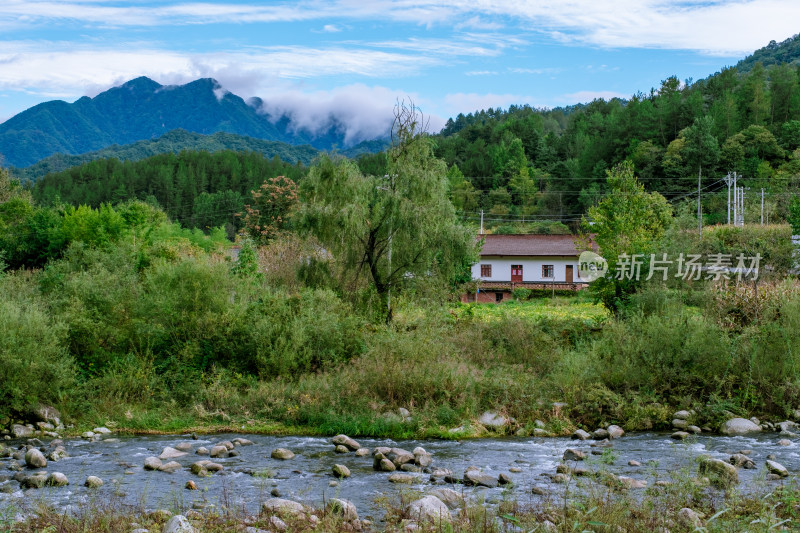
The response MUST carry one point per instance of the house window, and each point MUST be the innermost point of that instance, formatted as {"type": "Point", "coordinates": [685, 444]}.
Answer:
{"type": "Point", "coordinates": [486, 271]}
{"type": "Point", "coordinates": [498, 297]}
{"type": "Point", "coordinates": [548, 271]}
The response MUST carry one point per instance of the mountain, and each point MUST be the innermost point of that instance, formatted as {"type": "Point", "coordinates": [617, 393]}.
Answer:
{"type": "Point", "coordinates": [174, 142]}
{"type": "Point", "coordinates": [143, 109]}
{"type": "Point", "coordinates": [774, 53]}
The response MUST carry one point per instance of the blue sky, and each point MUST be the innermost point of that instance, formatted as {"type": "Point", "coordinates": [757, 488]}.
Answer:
{"type": "Point", "coordinates": [353, 58]}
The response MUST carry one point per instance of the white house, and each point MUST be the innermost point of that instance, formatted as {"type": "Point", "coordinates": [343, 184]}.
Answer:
{"type": "Point", "coordinates": [508, 262]}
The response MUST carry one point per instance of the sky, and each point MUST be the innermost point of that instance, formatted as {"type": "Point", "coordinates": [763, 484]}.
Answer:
{"type": "Point", "coordinates": [353, 59]}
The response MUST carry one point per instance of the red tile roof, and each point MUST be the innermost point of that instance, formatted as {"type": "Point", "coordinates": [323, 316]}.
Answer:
{"type": "Point", "coordinates": [519, 245]}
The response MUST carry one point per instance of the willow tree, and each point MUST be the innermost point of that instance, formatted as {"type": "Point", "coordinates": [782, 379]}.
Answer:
{"type": "Point", "coordinates": [388, 230]}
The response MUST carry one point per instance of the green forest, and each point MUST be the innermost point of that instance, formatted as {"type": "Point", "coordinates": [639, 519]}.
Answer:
{"type": "Point", "coordinates": [527, 169]}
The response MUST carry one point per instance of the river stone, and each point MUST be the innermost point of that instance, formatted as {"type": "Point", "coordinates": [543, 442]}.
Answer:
{"type": "Point", "coordinates": [282, 454]}
{"type": "Point", "coordinates": [211, 466]}
{"type": "Point", "coordinates": [362, 452]}
{"type": "Point", "coordinates": [741, 461]}
{"type": "Point", "coordinates": [385, 465]}
{"type": "Point", "coordinates": [429, 509]}
{"type": "Point", "coordinates": [35, 459]}
{"type": "Point", "coordinates": [343, 508]}
{"type": "Point", "coordinates": [423, 459]}
{"type": "Point", "coordinates": [504, 479]}
{"type": "Point", "coordinates": [787, 426]}
{"type": "Point", "coordinates": [341, 448]}
{"type": "Point", "coordinates": [170, 467]}
{"type": "Point", "coordinates": [59, 453]}
{"type": "Point", "coordinates": [57, 479]}
{"type": "Point", "coordinates": [199, 469]}
{"type": "Point", "coordinates": [615, 432]}
{"type": "Point", "coordinates": [178, 524]}
{"type": "Point", "coordinates": [634, 462]}
{"type": "Point", "coordinates": [493, 420]}
{"type": "Point", "coordinates": [87, 435]}
{"type": "Point", "coordinates": [679, 435]}
{"type": "Point", "coordinates": [739, 426]}
{"type": "Point", "coordinates": [191, 485]}
{"type": "Point", "coordinates": [239, 441]}
{"type": "Point", "coordinates": [341, 471]}
{"type": "Point", "coordinates": [630, 483]}
{"type": "Point", "coordinates": [600, 434]}
{"type": "Point", "coordinates": [18, 431]}
{"type": "Point", "coordinates": [171, 453]}
{"type": "Point", "coordinates": [281, 506]}
{"type": "Point", "coordinates": [679, 423]}
{"type": "Point", "coordinates": [689, 519]}
{"type": "Point", "coordinates": [102, 430]}
{"type": "Point", "coordinates": [35, 481]}
{"type": "Point", "coordinates": [478, 478]}
{"type": "Point", "coordinates": [202, 450]}
{"type": "Point", "coordinates": [184, 446]}
{"type": "Point", "coordinates": [408, 467]}
{"type": "Point", "coordinates": [402, 478]}
{"type": "Point", "coordinates": [228, 444]}
{"type": "Point", "coordinates": [382, 450]}
{"type": "Point", "coordinates": [344, 440]}
{"type": "Point", "coordinates": [93, 482]}
{"type": "Point", "coordinates": [219, 451]}
{"type": "Point", "coordinates": [449, 497]}
{"type": "Point", "coordinates": [681, 415]}
{"type": "Point", "coordinates": [572, 454]}
{"type": "Point", "coordinates": [47, 413]}
{"type": "Point", "coordinates": [694, 429]}
{"type": "Point", "coordinates": [580, 435]}
{"type": "Point", "coordinates": [784, 442]}
{"type": "Point", "coordinates": [777, 469]}
{"type": "Point", "coordinates": [152, 463]}
{"type": "Point", "coordinates": [721, 472]}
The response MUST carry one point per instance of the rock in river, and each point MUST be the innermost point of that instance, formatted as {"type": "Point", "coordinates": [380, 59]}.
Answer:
{"type": "Point", "coordinates": [282, 453]}
{"type": "Point", "coordinates": [35, 459]}
{"type": "Point", "coordinates": [428, 509]}
{"type": "Point", "coordinates": [777, 469]}
{"type": "Point", "coordinates": [344, 440]}
{"type": "Point", "coordinates": [739, 426]}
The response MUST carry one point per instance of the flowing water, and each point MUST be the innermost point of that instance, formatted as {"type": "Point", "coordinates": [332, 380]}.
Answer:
{"type": "Point", "coordinates": [248, 479]}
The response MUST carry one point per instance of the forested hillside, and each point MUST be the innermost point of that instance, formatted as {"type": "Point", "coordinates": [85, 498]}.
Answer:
{"type": "Point", "coordinates": [198, 189]}
{"type": "Point", "coordinates": [174, 142]}
{"type": "Point", "coordinates": [142, 109]}
{"type": "Point", "coordinates": [526, 164]}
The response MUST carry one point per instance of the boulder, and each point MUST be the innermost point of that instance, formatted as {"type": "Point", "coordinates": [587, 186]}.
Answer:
{"type": "Point", "coordinates": [281, 506]}
{"type": "Point", "coordinates": [341, 471]}
{"type": "Point", "coordinates": [93, 482]}
{"type": "Point", "coordinates": [493, 420]}
{"type": "Point", "coordinates": [679, 435]}
{"type": "Point", "coordinates": [784, 442]}
{"type": "Point", "coordinates": [384, 465]}
{"type": "Point", "coordinates": [689, 519]}
{"type": "Point", "coordinates": [282, 454]}
{"type": "Point", "coordinates": [57, 479]}
{"type": "Point", "coordinates": [57, 454]}
{"type": "Point", "coordinates": [615, 432]}
{"type": "Point", "coordinates": [402, 478]}
{"type": "Point", "coordinates": [362, 452]}
{"type": "Point", "coordinates": [341, 448]}
{"type": "Point", "coordinates": [580, 435]}
{"type": "Point", "coordinates": [600, 434]}
{"type": "Point", "coordinates": [741, 460]}
{"type": "Point", "coordinates": [170, 467]}
{"type": "Point", "coordinates": [344, 440]}
{"type": "Point", "coordinates": [178, 524]}
{"type": "Point", "coordinates": [277, 524]}
{"type": "Point", "coordinates": [478, 478]}
{"type": "Point", "coordinates": [694, 429]}
{"type": "Point", "coordinates": [184, 446]}
{"type": "Point", "coordinates": [202, 450]}
{"type": "Point", "coordinates": [787, 426]}
{"type": "Point", "coordinates": [343, 508]}
{"type": "Point", "coordinates": [449, 497]}
{"type": "Point", "coordinates": [682, 415]}
{"type": "Point", "coordinates": [199, 469]}
{"type": "Point", "coordinates": [777, 469]}
{"type": "Point", "coordinates": [739, 426]}
{"type": "Point", "coordinates": [171, 453]}
{"type": "Point", "coordinates": [47, 414]}
{"type": "Point", "coordinates": [152, 463]}
{"type": "Point", "coordinates": [35, 459]}
{"type": "Point", "coordinates": [102, 431]}
{"type": "Point", "coordinates": [630, 483]}
{"type": "Point", "coordinates": [35, 481]}
{"type": "Point", "coordinates": [428, 509]}
{"type": "Point", "coordinates": [18, 431]}
{"type": "Point", "coordinates": [190, 485]}
{"type": "Point", "coordinates": [572, 454]}
{"type": "Point", "coordinates": [219, 451]}
{"type": "Point", "coordinates": [720, 472]}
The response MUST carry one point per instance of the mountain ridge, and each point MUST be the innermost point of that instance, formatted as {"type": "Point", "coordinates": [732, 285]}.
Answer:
{"type": "Point", "coordinates": [143, 109]}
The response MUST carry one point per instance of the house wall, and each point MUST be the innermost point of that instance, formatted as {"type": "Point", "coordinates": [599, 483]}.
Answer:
{"type": "Point", "coordinates": [531, 268]}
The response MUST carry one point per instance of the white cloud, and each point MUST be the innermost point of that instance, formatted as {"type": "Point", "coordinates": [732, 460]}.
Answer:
{"type": "Point", "coordinates": [331, 28]}
{"type": "Point", "coordinates": [481, 73]}
{"type": "Point", "coordinates": [715, 27]}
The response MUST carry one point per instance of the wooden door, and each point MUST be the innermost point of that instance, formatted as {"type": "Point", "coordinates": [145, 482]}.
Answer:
{"type": "Point", "coordinates": [516, 273]}
{"type": "Point", "coordinates": [569, 274]}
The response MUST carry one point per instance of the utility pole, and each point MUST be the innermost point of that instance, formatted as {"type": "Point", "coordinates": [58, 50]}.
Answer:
{"type": "Point", "coordinates": [699, 209]}
{"type": "Point", "coordinates": [762, 206]}
{"type": "Point", "coordinates": [481, 221]}
{"type": "Point", "coordinates": [729, 182]}
{"type": "Point", "coordinates": [735, 201]}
